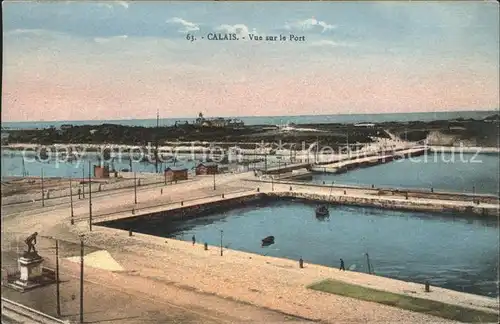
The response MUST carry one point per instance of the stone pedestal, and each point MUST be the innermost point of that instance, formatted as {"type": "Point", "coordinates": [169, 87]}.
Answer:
{"type": "Point", "coordinates": [30, 268]}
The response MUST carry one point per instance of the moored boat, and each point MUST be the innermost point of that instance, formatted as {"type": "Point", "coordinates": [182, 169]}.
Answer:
{"type": "Point", "coordinates": [322, 211]}
{"type": "Point", "coordinates": [268, 240]}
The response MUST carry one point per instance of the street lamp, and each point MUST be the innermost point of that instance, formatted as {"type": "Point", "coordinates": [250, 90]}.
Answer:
{"type": "Point", "coordinates": [71, 199]}
{"type": "Point", "coordinates": [221, 251]}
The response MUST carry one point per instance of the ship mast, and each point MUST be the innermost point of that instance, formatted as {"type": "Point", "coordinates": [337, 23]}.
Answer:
{"type": "Point", "coordinates": [156, 138]}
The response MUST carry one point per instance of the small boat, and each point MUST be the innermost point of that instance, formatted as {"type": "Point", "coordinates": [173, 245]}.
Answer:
{"type": "Point", "coordinates": [322, 211]}
{"type": "Point", "coordinates": [268, 240]}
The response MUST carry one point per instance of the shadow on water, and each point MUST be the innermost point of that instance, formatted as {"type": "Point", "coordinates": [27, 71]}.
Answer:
{"type": "Point", "coordinates": [458, 252]}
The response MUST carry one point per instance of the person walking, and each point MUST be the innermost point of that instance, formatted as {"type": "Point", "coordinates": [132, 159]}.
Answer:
{"type": "Point", "coordinates": [342, 267]}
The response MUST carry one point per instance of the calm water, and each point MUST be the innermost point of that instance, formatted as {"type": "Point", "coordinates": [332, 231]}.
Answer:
{"type": "Point", "coordinates": [441, 171]}
{"type": "Point", "coordinates": [272, 120]}
{"type": "Point", "coordinates": [12, 165]}
{"type": "Point", "coordinates": [455, 253]}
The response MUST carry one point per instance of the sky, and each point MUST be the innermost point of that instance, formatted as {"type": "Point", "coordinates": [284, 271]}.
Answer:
{"type": "Point", "coordinates": [123, 60]}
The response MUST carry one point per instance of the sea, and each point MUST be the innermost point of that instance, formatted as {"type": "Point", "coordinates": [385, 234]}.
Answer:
{"type": "Point", "coordinates": [270, 120]}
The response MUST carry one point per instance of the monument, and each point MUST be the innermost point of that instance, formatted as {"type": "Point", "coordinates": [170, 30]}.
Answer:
{"type": "Point", "coordinates": [31, 272]}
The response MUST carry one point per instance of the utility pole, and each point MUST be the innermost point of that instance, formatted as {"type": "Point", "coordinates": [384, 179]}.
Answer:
{"type": "Point", "coordinates": [221, 253]}
{"type": "Point", "coordinates": [71, 199]}
{"type": "Point", "coordinates": [90, 200]}
{"type": "Point", "coordinates": [156, 139]}
{"type": "Point", "coordinates": [81, 279]}
{"type": "Point", "coordinates": [58, 309]}
{"type": "Point", "coordinates": [43, 193]}
{"type": "Point", "coordinates": [135, 188]}
{"type": "Point", "coordinates": [317, 149]}
{"type": "Point", "coordinates": [83, 180]}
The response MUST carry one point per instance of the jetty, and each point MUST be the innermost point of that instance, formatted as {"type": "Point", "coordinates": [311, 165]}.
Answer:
{"type": "Point", "coordinates": [345, 165]}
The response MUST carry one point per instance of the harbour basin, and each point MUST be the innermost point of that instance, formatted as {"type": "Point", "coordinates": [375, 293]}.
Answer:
{"type": "Point", "coordinates": [449, 251]}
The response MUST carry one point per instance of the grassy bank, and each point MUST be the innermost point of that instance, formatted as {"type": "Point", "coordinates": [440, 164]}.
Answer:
{"type": "Point", "coordinates": [419, 305]}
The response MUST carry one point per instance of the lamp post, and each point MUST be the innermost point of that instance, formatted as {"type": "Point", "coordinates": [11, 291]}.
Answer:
{"type": "Point", "coordinates": [221, 251]}
{"type": "Point", "coordinates": [135, 188]}
{"type": "Point", "coordinates": [71, 199]}
{"type": "Point", "coordinates": [43, 193]}
{"type": "Point", "coordinates": [81, 278]}
{"type": "Point", "coordinates": [58, 305]}
{"type": "Point", "coordinates": [90, 200]}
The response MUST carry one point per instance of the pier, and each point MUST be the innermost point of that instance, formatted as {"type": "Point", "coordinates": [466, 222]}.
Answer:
{"type": "Point", "coordinates": [348, 164]}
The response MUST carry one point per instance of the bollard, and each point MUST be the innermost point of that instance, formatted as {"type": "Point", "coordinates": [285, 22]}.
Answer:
{"type": "Point", "coordinates": [290, 188]}
{"type": "Point", "coordinates": [133, 211]}
{"type": "Point", "coordinates": [222, 195]}
{"type": "Point", "coordinates": [345, 192]}
{"type": "Point", "coordinates": [427, 286]}
{"type": "Point", "coordinates": [182, 203]}
{"type": "Point", "coordinates": [206, 246]}
{"type": "Point", "coordinates": [258, 189]}
{"type": "Point", "coordinates": [129, 232]}
{"type": "Point", "coordinates": [406, 196]}
{"type": "Point", "coordinates": [323, 182]}
{"type": "Point", "coordinates": [373, 186]}
{"type": "Point", "coordinates": [301, 263]}
{"type": "Point", "coordinates": [161, 191]}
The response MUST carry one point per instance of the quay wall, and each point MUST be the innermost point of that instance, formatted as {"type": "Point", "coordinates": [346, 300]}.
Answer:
{"type": "Point", "coordinates": [192, 211]}
{"type": "Point", "coordinates": [415, 193]}
{"type": "Point", "coordinates": [465, 149]}
{"type": "Point", "coordinates": [408, 205]}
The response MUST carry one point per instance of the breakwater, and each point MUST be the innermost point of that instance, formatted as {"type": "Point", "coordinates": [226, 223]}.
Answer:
{"type": "Point", "coordinates": [351, 163]}
{"type": "Point", "coordinates": [440, 206]}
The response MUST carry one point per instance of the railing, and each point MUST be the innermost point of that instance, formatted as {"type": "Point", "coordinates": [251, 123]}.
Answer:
{"type": "Point", "coordinates": [19, 313]}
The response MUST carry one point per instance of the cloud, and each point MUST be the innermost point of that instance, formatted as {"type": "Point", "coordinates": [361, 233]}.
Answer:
{"type": "Point", "coordinates": [124, 4]}
{"type": "Point", "coordinates": [186, 26]}
{"type": "Point", "coordinates": [110, 4]}
{"type": "Point", "coordinates": [45, 34]}
{"type": "Point", "coordinates": [309, 24]}
{"type": "Point", "coordinates": [238, 29]}
{"type": "Point", "coordinates": [102, 40]}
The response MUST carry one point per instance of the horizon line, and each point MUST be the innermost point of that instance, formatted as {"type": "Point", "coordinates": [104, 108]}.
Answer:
{"type": "Point", "coordinates": [264, 116]}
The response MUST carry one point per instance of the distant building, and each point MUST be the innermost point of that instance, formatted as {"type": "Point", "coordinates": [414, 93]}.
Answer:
{"type": "Point", "coordinates": [66, 126]}
{"type": "Point", "coordinates": [217, 122]}
{"type": "Point", "coordinates": [205, 168]}
{"type": "Point", "coordinates": [101, 171]}
{"type": "Point", "coordinates": [176, 173]}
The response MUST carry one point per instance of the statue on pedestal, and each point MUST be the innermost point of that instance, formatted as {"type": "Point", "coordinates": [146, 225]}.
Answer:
{"type": "Point", "coordinates": [30, 242]}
